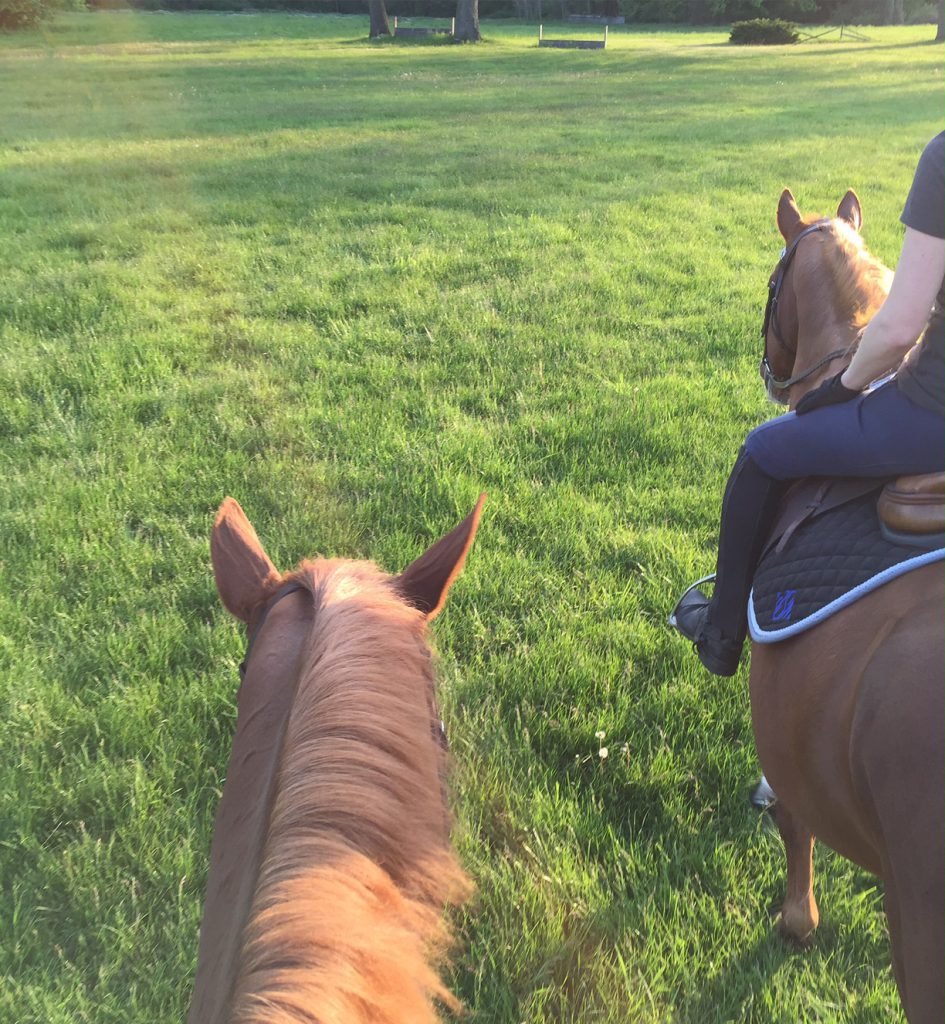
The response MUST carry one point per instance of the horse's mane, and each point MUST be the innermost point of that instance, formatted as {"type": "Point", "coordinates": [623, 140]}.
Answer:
{"type": "Point", "coordinates": [357, 869]}
{"type": "Point", "coordinates": [858, 282]}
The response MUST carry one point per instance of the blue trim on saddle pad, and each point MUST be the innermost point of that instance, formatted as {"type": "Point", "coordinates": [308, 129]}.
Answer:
{"type": "Point", "coordinates": [785, 600]}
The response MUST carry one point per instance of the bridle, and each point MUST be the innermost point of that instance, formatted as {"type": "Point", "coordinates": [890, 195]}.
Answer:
{"type": "Point", "coordinates": [771, 318]}
{"type": "Point", "coordinates": [287, 588]}
{"type": "Point", "coordinates": [438, 727]}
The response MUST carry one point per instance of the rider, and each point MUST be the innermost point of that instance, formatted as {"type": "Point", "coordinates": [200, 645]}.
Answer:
{"type": "Point", "coordinates": [838, 429]}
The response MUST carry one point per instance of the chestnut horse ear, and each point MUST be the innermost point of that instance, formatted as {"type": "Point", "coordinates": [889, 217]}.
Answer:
{"type": "Point", "coordinates": [789, 216]}
{"type": "Point", "coordinates": [241, 568]}
{"type": "Point", "coordinates": [850, 210]}
{"type": "Point", "coordinates": [426, 582]}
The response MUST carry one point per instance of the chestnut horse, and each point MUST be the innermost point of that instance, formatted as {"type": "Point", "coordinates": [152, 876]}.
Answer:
{"type": "Point", "coordinates": [848, 717]}
{"type": "Point", "coordinates": [331, 864]}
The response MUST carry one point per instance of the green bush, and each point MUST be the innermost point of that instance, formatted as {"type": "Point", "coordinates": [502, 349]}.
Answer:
{"type": "Point", "coordinates": [763, 32]}
{"type": "Point", "coordinates": [23, 13]}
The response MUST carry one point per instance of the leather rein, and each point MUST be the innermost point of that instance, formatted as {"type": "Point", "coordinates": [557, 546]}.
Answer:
{"type": "Point", "coordinates": [287, 588]}
{"type": "Point", "coordinates": [771, 318]}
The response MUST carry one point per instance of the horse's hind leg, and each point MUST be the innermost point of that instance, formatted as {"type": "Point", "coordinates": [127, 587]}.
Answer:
{"type": "Point", "coordinates": [914, 877]}
{"type": "Point", "coordinates": [914, 914]}
{"type": "Point", "coordinates": [799, 913]}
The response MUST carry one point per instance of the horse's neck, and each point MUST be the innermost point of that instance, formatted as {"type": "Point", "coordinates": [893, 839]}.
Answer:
{"type": "Point", "coordinates": [357, 866]}
{"type": "Point", "coordinates": [242, 820]}
{"type": "Point", "coordinates": [838, 288]}
{"type": "Point", "coordinates": [822, 333]}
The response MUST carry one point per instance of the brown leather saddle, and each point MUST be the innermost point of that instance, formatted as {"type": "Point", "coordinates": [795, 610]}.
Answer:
{"type": "Point", "coordinates": [911, 509]}
{"type": "Point", "coordinates": [913, 506]}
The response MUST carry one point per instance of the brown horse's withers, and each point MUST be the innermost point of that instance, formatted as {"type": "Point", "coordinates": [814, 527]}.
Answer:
{"type": "Point", "coordinates": [848, 718]}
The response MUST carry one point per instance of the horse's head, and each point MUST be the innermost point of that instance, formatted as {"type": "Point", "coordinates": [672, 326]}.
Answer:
{"type": "Point", "coordinates": [333, 826]}
{"type": "Point", "coordinates": [823, 291]}
{"type": "Point", "coordinates": [246, 579]}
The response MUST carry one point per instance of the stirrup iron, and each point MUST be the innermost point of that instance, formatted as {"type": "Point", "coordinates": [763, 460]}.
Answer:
{"type": "Point", "coordinates": [682, 597]}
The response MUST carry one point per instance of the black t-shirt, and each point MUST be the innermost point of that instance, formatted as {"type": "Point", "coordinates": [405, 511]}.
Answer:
{"type": "Point", "coordinates": [922, 376]}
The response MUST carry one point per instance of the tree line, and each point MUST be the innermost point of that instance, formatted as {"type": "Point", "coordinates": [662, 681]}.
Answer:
{"type": "Point", "coordinates": [692, 12]}
{"type": "Point", "coordinates": [14, 13]}
{"type": "Point", "coordinates": [817, 12]}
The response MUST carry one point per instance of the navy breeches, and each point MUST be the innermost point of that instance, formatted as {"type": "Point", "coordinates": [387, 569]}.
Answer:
{"type": "Point", "coordinates": [882, 433]}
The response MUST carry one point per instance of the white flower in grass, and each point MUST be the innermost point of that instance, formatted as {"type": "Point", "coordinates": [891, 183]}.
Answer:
{"type": "Point", "coordinates": [602, 753]}
{"type": "Point", "coordinates": [600, 735]}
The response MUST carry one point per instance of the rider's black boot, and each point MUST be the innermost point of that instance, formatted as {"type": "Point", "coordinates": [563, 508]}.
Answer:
{"type": "Point", "coordinates": [717, 627]}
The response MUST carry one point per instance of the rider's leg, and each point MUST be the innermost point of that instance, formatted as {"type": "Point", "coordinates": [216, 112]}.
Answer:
{"type": "Point", "coordinates": [882, 434]}
{"type": "Point", "coordinates": [718, 627]}
{"type": "Point", "coordinates": [748, 507]}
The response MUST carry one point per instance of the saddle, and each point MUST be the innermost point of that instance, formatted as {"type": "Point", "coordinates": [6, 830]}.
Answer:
{"type": "Point", "coordinates": [911, 509]}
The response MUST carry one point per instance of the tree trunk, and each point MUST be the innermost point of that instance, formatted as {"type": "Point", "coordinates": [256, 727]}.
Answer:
{"type": "Point", "coordinates": [940, 34]}
{"type": "Point", "coordinates": [380, 26]}
{"type": "Point", "coordinates": [467, 21]}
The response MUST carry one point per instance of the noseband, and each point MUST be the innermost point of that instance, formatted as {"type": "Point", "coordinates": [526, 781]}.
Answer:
{"type": "Point", "coordinates": [771, 318]}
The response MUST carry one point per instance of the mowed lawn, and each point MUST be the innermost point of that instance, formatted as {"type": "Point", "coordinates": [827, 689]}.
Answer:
{"type": "Point", "coordinates": [353, 284]}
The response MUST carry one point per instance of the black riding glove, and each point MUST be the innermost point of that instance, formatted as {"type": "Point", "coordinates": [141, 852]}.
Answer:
{"type": "Point", "coordinates": [831, 392]}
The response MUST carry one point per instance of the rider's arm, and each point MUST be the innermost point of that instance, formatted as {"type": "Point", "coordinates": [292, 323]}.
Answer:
{"type": "Point", "coordinates": [903, 316]}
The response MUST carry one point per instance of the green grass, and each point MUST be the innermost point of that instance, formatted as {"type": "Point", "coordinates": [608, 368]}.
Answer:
{"type": "Point", "coordinates": [353, 284]}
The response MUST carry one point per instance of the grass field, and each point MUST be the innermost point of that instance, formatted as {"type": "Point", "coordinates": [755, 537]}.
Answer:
{"type": "Point", "coordinates": [353, 284]}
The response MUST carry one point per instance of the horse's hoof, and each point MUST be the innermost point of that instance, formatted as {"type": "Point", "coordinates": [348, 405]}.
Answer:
{"type": "Point", "coordinates": [800, 936]}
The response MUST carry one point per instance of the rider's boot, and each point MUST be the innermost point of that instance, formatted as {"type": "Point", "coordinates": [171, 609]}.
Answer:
{"type": "Point", "coordinates": [717, 626]}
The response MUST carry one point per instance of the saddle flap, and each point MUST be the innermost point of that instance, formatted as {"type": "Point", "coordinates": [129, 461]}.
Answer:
{"type": "Point", "coordinates": [810, 497]}
{"type": "Point", "coordinates": [914, 504]}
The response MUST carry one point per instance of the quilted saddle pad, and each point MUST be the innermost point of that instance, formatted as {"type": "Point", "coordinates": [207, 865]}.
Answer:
{"type": "Point", "coordinates": [828, 563]}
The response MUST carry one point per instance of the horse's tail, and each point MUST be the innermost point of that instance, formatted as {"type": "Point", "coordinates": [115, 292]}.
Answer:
{"type": "Point", "coordinates": [340, 943]}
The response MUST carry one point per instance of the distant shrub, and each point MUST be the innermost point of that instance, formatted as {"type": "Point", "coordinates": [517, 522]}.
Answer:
{"type": "Point", "coordinates": [23, 13]}
{"type": "Point", "coordinates": [763, 32]}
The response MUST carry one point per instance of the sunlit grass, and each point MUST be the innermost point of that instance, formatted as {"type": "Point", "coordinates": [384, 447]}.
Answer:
{"type": "Point", "coordinates": [353, 284]}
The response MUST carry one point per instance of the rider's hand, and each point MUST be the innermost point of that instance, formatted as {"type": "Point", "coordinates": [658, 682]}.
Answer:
{"type": "Point", "coordinates": [831, 392]}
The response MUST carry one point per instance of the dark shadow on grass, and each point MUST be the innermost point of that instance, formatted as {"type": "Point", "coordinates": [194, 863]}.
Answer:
{"type": "Point", "coordinates": [391, 42]}
{"type": "Point", "coordinates": [722, 998]}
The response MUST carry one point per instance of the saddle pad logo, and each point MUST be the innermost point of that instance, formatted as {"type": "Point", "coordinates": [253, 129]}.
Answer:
{"type": "Point", "coordinates": [783, 606]}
